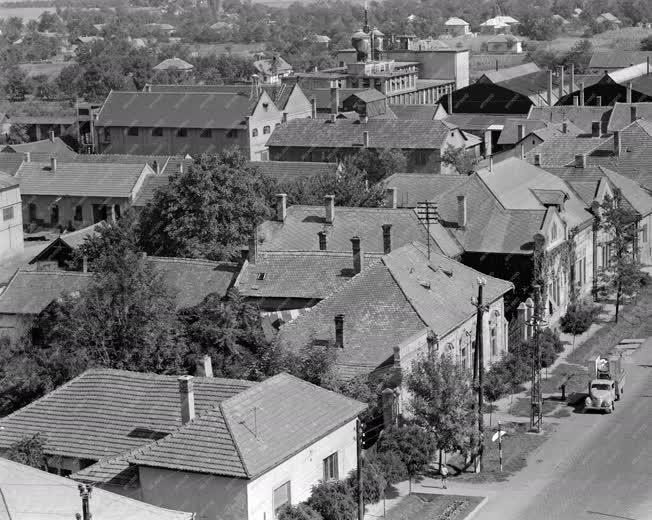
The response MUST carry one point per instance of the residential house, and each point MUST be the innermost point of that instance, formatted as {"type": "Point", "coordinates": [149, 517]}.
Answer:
{"type": "Point", "coordinates": [582, 116]}
{"type": "Point", "coordinates": [456, 27]}
{"type": "Point", "coordinates": [142, 123]}
{"type": "Point", "coordinates": [321, 40]}
{"type": "Point", "coordinates": [174, 64]}
{"type": "Point", "coordinates": [527, 141]}
{"type": "Point", "coordinates": [498, 24]}
{"type": "Point", "coordinates": [264, 444]}
{"type": "Point", "coordinates": [77, 194]}
{"type": "Point", "coordinates": [59, 253]}
{"type": "Point", "coordinates": [609, 21]}
{"type": "Point", "coordinates": [623, 114]}
{"type": "Point", "coordinates": [43, 150]}
{"type": "Point", "coordinates": [29, 493]}
{"type": "Point", "coordinates": [505, 44]}
{"type": "Point", "coordinates": [165, 28]}
{"type": "Point", "coordinates": [272, 70]}
{"type": "Point", "coordinates": [609, 61]}
{"type": "Point", "coordinates": [422, 142]}
{"type": "Point", "coordinates": [11, 217]}
{"type": "Point", "coordinates": [404, 305]}
{"type": "Point", "coordinates": [10, 162]}
{"type": "Point", "coordinates": [506, 216]}
{"type": "Point", "coordinates": [560, 19]}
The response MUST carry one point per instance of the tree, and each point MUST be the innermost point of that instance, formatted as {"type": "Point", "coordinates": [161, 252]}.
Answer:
{"type": "Point", "coordinates": [646, 44]}
{"type": "Point", "coordinates": [333, 500]}
{"type": "Point", "coordinates": [623, 275]}
{"type": "Point", "coordinates": [579, 55]}
{"type": "Point", "coordinates": [29, 451]}
{"type": "Point", "coordinates": [496, 384]}
{"type": "Point", "coordinates": [442, 401]}
{"type": "Point", "coordinates": [391, 466]}
{"type": "Point", "coordinates": [17, 134]}
{"type": "Point", "coordinates": [208, 211]}
{"type": "Point", "coordinates": [459, 160]}
{"type": "Point", "coordinates": [412, 444]}
{"type": "Point", "coordinates": [15, 87]}
{"type": "Point", "coordinates": [298, 512]}
{"type": "Point", "coordinates": [379, 164]}
{"type": "Point", "coordinates": [374, 482]}
{"type": "Point", "coordinates": [578, 318]}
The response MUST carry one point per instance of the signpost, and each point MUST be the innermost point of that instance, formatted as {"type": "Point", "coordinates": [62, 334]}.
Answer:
{"type": "Point", "coordinates": [498, 436]}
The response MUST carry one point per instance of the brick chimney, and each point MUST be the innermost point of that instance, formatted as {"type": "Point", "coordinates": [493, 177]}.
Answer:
{"type": "Point", "coordinates": [595, 129]}
{"type": "Point", "coordinates": [617, 143]}
{"type": "Point", "coordinates": [549, 88]}
{"type": "Point", "coordinates": [390, 198]}
{"type": "Point", "coordinates": [313, 108]}
{"type": "Point", "coordinates": [204, 367]}
{"type": "Point", "coordinates": [186, 398]}
{"type": "Point", "coordinates": [358, 254]}
{"type": "Point", "coordinates": [580, 161]}
{"type": "Point", "coordinates": [53, 164]}
{"type": "Point", "coordinates": [284, 117]}
{"type": "Point", "coordinates": [387, 238]}
{"type": "Point", "coordinates": [520, 132]}
{"type": "Point", "coordinates": [329, 208]}
{"type": "Point", "coordinates": [629, 92]}
{"type": "Point", "coordinates": [633, 116]}
{"type": "Point", "coordinates": [51, 135]}
{"type": "Point", "coordinates": [339, 330]}
{"type": "Point", "coordinates": [281, 207]}
{"type": "Point", "coordinates": [323, 241]}
{"type": "Point", "coordinates": [576, 101]}
{"type": "Point", "coordinates": [335, 100]}
{"type": "Point", "coordinates": [598, 100]}
{"type": "Point", "coordinates": [28, 156]}
{"type": "Point", "coordinates": [365, 138]}
{"type": "Point", "coordinates": [450, 102]}
{"type": "Point", "coordinates": [252, 255]}
{"type": "Point", "coordinates": [461, 211]}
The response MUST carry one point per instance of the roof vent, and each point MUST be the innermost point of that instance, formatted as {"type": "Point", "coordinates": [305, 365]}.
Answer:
{"type": "Point", "coordinates": [424, 284]}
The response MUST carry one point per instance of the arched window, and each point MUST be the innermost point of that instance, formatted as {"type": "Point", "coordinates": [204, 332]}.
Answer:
{"type": "Point", "coordinates": [254, 132]}
{"type": "Point", "coordinates": [266, 129]}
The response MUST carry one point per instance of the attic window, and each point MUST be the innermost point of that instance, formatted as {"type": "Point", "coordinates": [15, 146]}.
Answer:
{"type": "Point", "coordinates": [265, 105]}
{"type": "Point", "coordinates": [261, 276]}
{"type": "Point", "coordinates": [146, 433]}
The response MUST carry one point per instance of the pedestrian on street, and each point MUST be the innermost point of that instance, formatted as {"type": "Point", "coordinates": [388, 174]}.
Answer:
{"type": "Point", "coordinates": [444, 475]}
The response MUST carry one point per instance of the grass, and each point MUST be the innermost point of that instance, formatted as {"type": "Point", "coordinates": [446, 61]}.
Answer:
{"type": "Point", "coordinates": [573, 375]}
{"type": "Point", "coordinates": [521, 407]}
{"type": "Point", "coordinates": [517, 445]}
{"type": "Point", "coordinates": [433, 507]}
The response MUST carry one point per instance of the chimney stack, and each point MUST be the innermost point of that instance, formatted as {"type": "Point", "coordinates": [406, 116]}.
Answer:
{"type": "Point", "coordinates": [598, 101]}
{"type": "Point", "coordinates": [387, 238]}
{"type": "Point", "coordinates": [390, 198]}
{"type": "Point", "coordinates": [561, 82]}
{"type": "Point", "coordinates": [187, 398]}
{"type": "Point", "coordinates": [461, 211]}
{"type": "Point", "coordinates": [313, 108]}
{"type": "Point", "coordinates": [323, 244]}
{"type": "Point", "coordinates": [576, 101]}
{"type": "Point", "coordinates": [204, 367]}
{"type": "Point", "coordinates": [617, 143]}
{"type": "Point", "coordinates": [629, 92]}
{"type": "Point", "coordinates": [564, 127]}
{"type": "Point", "coordinates": [329, 207]}
{"type": "Point", "coordinates": [28, 156]}
{"type": "Point", "coordinates": [595, 129]}
{"type": "Point", "coordinates": [488, 145]}
{"type": "Point", "coordinates": [365, 138]}
{"type": "Point", "coordinates": [572, 77]}
{"type": "Point", "coordinates": [281, 207]}
{"type": "Point", "coordinates": [582, 94]}
{"type": "Point", "coordinates": [335, 100]}
{"type": "Point", "coordinates": [450, 102]}
{"type": "Point", "coordinates": [284, 117]}
{"type": "Point", "coordinates": [520, 132]}
{"type": "Point", "coordinates": [53, 164]}
{"type": "Point", "coordinates": [51, 134]}
{"type": "Point", "coordinates": [633, 116]}
{"type": "Point", "coordinates": [549, 88]}
{"type": "Point", "coordinates": [580, 161]}
{"type": "Point", "coordinates": [339, 330]}
{"type": "Point", "coordinates": [252, 255]}
{"type": "Point", "coordinates": [358, 254]}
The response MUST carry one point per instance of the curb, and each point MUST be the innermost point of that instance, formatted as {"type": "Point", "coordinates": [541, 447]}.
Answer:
{"type": "Point", "coordinates": [476, 509]}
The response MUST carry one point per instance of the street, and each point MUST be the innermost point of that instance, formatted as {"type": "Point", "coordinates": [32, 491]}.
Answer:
{"type": "Point", "coordinates": [594, 467]}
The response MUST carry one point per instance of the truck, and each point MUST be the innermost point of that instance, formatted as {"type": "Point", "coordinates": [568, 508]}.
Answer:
{"type": "Point", "coordinates": [606, 383]}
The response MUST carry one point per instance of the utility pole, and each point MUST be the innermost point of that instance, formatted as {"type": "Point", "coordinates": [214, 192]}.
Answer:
{"type": "Point", "coordinates": [427, 212]}
{"type": "Point", "coordinates": [359, 436]}
{"type": "Point", "coordinates": [535, 397]}
{"type": "Point", "coordinates": [478, 369]}
{"type": "Point", "coordinates": [85, 493]}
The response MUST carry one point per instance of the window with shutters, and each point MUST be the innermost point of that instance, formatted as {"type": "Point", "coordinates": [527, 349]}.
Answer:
{"type": "Point", "coordinates": [331, 468]}
{"type": "Point", "coordinates": [281, 497]}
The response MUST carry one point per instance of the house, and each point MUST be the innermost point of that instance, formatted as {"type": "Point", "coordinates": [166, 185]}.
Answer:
{"type": "Point", "coordinates": [404, 305]}
{"type": "Point", "coordinates": [609, 21]}
{"type": "Point", "coordinates": [498, 24]}
{"type": "Point", "coordinates": [331, 228]}
{"type": "Point", "coordinates": [28, 293]}
{"type": "Point", "coordinates": [174, 64]}
{"type": "Point", "coordinates": [59, 253]}
{"type": "Point", "coordinates": [505, 216]}
{"type": "Point", "coordinates": [582, 116]}
{"type": "Point", "coordinates": [27, 493]}
{"type": "Point", "coordinates": [273, 69]}
{"type": "Point", "coordinates": [610, 61]}
{"type": "Point", "coordinates": [38, 126]}
{"type": "Point", "coordinates": [623, 114]}
{"type": "Point", "coordinates": [321, 40]}
{"type": "Point", "coordinates": [526, 141]}
{"type": "Point", "coordinates": [43, 150]}
{"type": "Point", "coordinates": [142, 123]}
{"type": "Point", "coordinates": [560, 19]}
{"type": "Point", "coordinates": [563, 148]}
{"type": "Point", "coordinates": [505, 44]}
{"type": "Point", "coordinates": [456, 27]}
{"type": "Point", "coordinates": [11, 216]}
{"type": "Point", "coordinates": [84, 40]}
{"type": "Point", "coordinates": [422, 142]}
{"type": "Point", "coordinates": [263, 444]}
{"type": "Point", "coordinates": [78, 194]}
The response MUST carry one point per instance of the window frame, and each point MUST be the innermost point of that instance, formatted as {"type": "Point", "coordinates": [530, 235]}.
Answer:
{"type": "Point", "coordinates": [78, 210]}
{"type": "Point", "coordinates": [267, 130]}
{"type": "Point", "coordinates": [157, 131]}
{"type": "Point", "coordinates": [254, 132]}
{"type": "Point", "coordinates": [206, 133]}
{"type": "Point", "coordinates": [182, 132]}
{"type": "Point", "coordinates": [331, 468]}
{"type": "Point", "coordinates": [276, 507]}
{"type": "Point", "coordinates": [133, 131]}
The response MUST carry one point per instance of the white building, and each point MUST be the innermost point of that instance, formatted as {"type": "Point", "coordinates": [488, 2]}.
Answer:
{"type": "Point", "coordinates": [11, 217]}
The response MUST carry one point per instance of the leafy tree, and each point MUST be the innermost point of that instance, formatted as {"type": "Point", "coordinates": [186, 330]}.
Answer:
{"type": "Point", "coordinates": [298, 512]}
{"type": "Point", "coordinates": [314, 363]}
{"type": "Point", "coordinates": [578, 318]}
{"type": "Point", "coordinates": [374, 482]}
{"type": "Point", "coordinates": [333, 500]}
{"type": "Point", "coordinates": [68, 81]}
{"type": "Point", "coordinates": [459, 160]}
{"type": "Point", "coordinates": [379, 164]}
{"type": "Point", "coordinates": [15, 87]}
{"type": "Point", "coordinates": [442, 401]}
{"type": "Point", "coordinates": [46, 90]}
{"type": "Point", "coordinates": [579, 55]}
{"type": "Point", "coordinates": [623, 275]}
{"type": "Point", "coordinates": [17, 134]}
{"type": "Point", "coordinates": [391, 466]}
{"type": "Point", "coordinates": [29, 451]}
{"type": "Point", "coordinates": [208, 211]}
{"type": "Point", "coordinates": [496, 384]}
{"type": "Point", "coordinates": [412, 444]}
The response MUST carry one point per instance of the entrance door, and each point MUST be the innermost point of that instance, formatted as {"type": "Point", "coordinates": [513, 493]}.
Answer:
{"type": "Point", "coordinates": [99, 213]}
{"type": "Point", "coordinates": [54, 215]}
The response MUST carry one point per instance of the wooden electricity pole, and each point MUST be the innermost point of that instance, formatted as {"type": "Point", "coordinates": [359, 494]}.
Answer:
{"type": "Point", "coordinates": [359, 436]}
{"type": "Point", "coordinates": [478, 370]}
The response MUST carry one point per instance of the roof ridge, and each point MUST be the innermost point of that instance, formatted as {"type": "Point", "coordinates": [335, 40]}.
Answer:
{"type": "Point", "coordinates": [235, 443]}
{"type": "Point", "coordinates": [179, 260]}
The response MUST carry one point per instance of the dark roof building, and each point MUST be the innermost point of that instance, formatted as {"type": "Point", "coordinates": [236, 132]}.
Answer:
{"type": "Point", "coordinates": [617, 59]}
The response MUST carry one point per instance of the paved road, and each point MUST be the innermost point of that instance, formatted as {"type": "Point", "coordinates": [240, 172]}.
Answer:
{"type": "Point", "coordinates": [596, 467]}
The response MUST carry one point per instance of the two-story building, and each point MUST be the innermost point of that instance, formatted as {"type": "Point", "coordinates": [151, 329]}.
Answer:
{"type": "Point", "coordinates": [11, 216]}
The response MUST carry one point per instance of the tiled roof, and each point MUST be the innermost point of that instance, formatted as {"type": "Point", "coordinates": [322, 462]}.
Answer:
{"type": "Point", "coordinates": [530, 84]}
{"type": "Point", "coordinates": [43, 149]}
{"type": "Point", "coordinates": [323, 95]}
{"type": "Point", "coordinates": [368, 95]}
{"type": "Point", "coordinates": [266, 67]}
{"type": "Point", "coordinates": [79, 179]}
{"type": "Point", "coordinates": [582, 117]}
{"type": "Point", "coordinates": [412, 188]}
{"type": "Point", "coordinates": [166, 163]}
{"type": "Point", "coordinates": [423, 112]}
{"type": "Point", "coordinates": [174, 64]}
{"type": "Point", "coordinates": [496, 76]}
{"type": "Point", "coordinates": [475, 121]}
{"type": "Point", "coordinates": [7, 181]}
{"type": "Point", "coordinates": [45, 119]}
{"type": "Point", "coordinates": [617, 59]}
{"type": "Point", "coordinates": [389, 303]}
{"type": "Point", "coordinates": [455, 21]}
{"type": "Point", "coordinates": [192, 280]}
{"type": "Point", "coordinates": [504, 38]}
{"type": "Point", "coordinates": [30, 292]}
{"type": "Point", "coordinates": [28, 493]}
{"type": "Point", "coordinates": [346, 133]}
{"type": "Point", "coordinates": [509, 134]}
{"type": "Point", "coordinates": [561, 149]}
{"type": "Point", "coordinates": [252, 432]}
{"type": "Point", "coordinates": [289, 171]}
{"type": "Point", "coordinates": [175, 109]}
{"type": "Point", "coordinates": [69, 241]}
{"type": "Point", "coordinates": [10, 162]}
{"type": "Point", "coordinates": [299, 230]}
{"type": "Point", "coordinates": [305, 274]}
{"type": "Point", "coordinates": [621, 115]}
{"type": "Point", "coordinates": [148, 189]}
{"type": "Point", "coordinates": [106, 412]}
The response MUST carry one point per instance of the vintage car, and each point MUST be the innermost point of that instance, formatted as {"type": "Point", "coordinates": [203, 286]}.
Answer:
{"type": "Point", "coordinates": [602, 394]}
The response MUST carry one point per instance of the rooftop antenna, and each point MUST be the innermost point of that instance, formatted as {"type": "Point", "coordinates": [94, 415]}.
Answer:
{"type": "Point", "coordinates": [427, 213]}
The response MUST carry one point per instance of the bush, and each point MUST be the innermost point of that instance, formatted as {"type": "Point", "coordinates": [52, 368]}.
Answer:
{"type": "Point", "coordinates": [578, 318]}
{"type": "Point", "coordinates": [391, 466]}
{"type": "Point", "coordinates": [412, 444]}
{"type": "Point", "coordinates": [298, 512]}
{"type": "Point", "coordinates": [333, 500]}
{"type": "Point", "coordinates": [374, 485]}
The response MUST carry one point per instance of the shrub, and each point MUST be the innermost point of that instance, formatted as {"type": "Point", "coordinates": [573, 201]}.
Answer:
{"type": "Point", "coordinates": [298, 512]}
{"type": "Point", "coordinates": [333, 500]}
{"type": "Point", "coordinates": [412, 444]}
{"type": "Point", "coordinates": [578, 318]}
{"type": "Point", "coordinates": [391, 466]}
{"type": "Point", "coordinates": [374, 485]}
